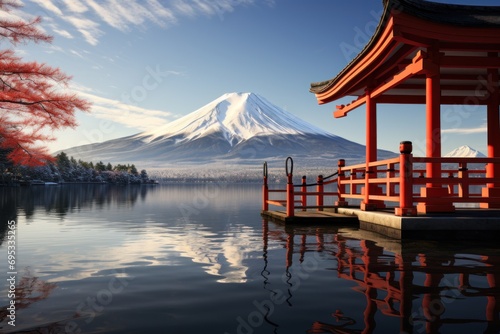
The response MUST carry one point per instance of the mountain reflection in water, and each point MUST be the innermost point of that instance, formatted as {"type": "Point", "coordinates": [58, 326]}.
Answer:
{"type": "Point", "coordinates": [172, 247]}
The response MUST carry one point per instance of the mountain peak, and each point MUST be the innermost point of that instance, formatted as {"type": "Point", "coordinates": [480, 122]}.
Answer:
{"type": "Point", "coordinates": [244, 95]}
{"type": "Point", "coordinates": [465, 151]}
{"type": "Point", "coordinates": [237, 117]}
{"type": "Point", "coordinates": [235, 128]}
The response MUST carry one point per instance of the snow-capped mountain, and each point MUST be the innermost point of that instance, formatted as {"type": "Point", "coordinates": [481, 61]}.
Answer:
{"type": "Point", "coordinates": [238, 127]}
{"type": "Point", "coordinates": [237, 117]}
{"type": "Point", "coordinates": [464, 152]}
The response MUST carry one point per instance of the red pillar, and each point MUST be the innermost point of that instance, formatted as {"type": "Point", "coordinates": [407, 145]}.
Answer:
{"type": "Point", "coordinates": [433, 124]}
{"type": "Point", "coordinates": [406, 207]}
{"type": "Point", "coordinates": [319, 189]}
{"type": "Point", "coordinates": [371, 154]}
{"type": "Point", "coordinates": [290, 197]}
{"type": "Point", "coordinates": [371, 129]}
{"type": "Point", "coordinates": [290, 194]}
{"type": "Point", "coordinates": [265, 190]}
{"type": "Point", "coordinates": [434, 192]}
{"type": "Point", "coordinates": [341, 187]}
{"type": "Point", "coordinates": [493, 170]}
{"type": "Point", "coordinates": [493, 139]}
{"type": "Point", "coordinates": [304, 193]}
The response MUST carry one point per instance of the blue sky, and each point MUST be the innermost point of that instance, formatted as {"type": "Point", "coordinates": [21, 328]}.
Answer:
{"type": "Point", "coordinates": [144, 63]}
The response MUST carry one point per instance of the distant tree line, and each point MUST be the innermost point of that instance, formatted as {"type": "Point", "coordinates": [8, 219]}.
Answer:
{"type": "Point", "coordinates": [68, 169]}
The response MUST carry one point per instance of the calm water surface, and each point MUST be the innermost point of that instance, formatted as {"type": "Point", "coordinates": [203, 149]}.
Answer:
{"type": "Point", "coordinates": [200, 259]}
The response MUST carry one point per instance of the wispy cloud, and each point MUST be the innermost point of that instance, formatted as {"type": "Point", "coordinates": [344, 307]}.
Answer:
{"type": "Point", "coordinates": [89, 16]}
{"type": "Point", "coordinates": [48, 5]}
{"type": "Point", "coordinates": [76, 53]}
{"type": "Point", "coordinates": [88, 28]}
{"type": "Point", "coordinates": [467, 131]}
{"type": "Point", "coordinates": [62, 32]}
{"type": "Point", "coordinates": [54, 48]}
{"type": "Point", "coordinates": [75, 6]}
{"type": "Point", "coordinates": [128, 115]}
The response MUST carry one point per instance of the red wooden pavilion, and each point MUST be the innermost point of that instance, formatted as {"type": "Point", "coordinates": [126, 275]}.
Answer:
{"type": "Point", "coordinates": [432, 54]}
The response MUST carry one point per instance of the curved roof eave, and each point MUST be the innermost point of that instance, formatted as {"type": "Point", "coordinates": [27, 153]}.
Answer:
{"type": "Point", "coordinates": [463, 15]}
{"type": "Point", "coordinates": [322, 86]}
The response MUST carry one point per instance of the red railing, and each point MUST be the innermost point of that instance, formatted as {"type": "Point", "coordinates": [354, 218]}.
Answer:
{"type": "Point", "coordinates": [401, 180]}
{"type": "Point", "coordinates": [297, 199]}
{"type": "Point", "coordinates": [396, 180]}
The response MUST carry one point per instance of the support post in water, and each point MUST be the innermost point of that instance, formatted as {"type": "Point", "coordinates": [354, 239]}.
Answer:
{"type": "Point", "coordinates": [319, 190]}
{"type": "Point", "coordinates": [290, 196]}
{"type": "Point", "coordinates": [304, 193]}
{"type": "Point", "coordinates": [265, 190]}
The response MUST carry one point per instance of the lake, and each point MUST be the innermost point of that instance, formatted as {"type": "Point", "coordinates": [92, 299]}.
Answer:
{"type": "Point", "coordinates": [200, 259]}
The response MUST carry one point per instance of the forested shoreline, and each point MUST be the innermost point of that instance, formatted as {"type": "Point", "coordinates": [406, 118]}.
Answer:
{"type": "Point", "coordinates": [66, 169]}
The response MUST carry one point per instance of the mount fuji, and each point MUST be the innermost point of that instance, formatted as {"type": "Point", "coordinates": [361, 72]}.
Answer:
{"type": "Point", "coordinates": [236, 128]}
{"type": "Point", "coordinates": [465, 151]}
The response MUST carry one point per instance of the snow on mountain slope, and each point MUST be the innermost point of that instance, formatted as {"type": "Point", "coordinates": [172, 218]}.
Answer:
{"type": "Point", "coordinates": [236, 128]}
{"type": "Point", "coordinates": [238, 116]}
{"type": "Point", "coordinates": [464, 152]}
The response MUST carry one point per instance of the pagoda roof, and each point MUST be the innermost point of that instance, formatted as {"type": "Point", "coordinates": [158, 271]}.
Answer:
{"type": "Point", "coordinates": [406, 30]}
{"type": "Point", "coordinates": [459, 15]}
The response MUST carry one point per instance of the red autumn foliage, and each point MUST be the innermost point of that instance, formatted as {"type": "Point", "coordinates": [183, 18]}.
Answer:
{"type": "Point", "coordinates": [34, 98]}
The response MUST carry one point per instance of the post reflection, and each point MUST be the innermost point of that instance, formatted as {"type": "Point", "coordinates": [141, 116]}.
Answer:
{"type": "Point", "coordinates": [424, 287]}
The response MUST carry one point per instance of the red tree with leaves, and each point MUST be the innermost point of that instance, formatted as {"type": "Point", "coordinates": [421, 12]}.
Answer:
{"type": "Point", "coordinates": [34, 98]}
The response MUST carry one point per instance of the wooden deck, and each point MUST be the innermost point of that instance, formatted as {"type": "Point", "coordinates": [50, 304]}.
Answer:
{"type": "Point", "coordinates": [313, 217]}
{"type": "Point", "coordinates": [462, 224]}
